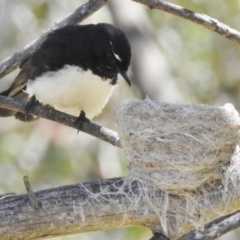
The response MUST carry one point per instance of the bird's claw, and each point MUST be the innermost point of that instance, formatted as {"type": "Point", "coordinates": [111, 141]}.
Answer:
{"type": "Point", "coordinates": [30, 105]}
{"type": "Point", "coordinates": [81, 119]}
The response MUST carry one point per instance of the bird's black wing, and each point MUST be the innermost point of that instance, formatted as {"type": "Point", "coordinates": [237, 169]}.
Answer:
{"type": "Point", "coordinates": [46, 58]}
{"type": "Point", "coordinates": [20, 81]}
{"type": "Point", "coordinates": [49, 57]}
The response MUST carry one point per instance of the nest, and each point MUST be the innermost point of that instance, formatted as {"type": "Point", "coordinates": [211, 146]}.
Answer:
{"type": "Point", "coordinates": [190, 153]}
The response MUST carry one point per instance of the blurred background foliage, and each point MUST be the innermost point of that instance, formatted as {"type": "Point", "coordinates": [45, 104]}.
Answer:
{"type": "Point", "coordinates": [173, 60]}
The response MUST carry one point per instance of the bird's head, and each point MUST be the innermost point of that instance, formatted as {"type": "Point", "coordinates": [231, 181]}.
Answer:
{"type": "Point", "coordinates": [112, 51]}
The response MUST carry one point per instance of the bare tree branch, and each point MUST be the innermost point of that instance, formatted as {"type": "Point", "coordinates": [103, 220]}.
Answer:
{"type": "Point", "coordinates": [215, 228]}
{"type": "Point", "coordinates": [88, 207]}
{"type": "Point", "coordinates": [212, 229]}
{"type": "Point", "coordinates": [81, 13]}
{"type": "Point", "coordinates": [201, 19]}
{"type": "Point", "coordinates": [93, 129]}
{"type": "Point", "coordinates": [73, 209]}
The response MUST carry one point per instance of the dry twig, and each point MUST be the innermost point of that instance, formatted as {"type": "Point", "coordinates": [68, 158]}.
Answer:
{"type": "Point", "coordinates": [215, 228]}
{"type": "Point", "coordinates": [34, 203]}
{"type": "Point", "coordinates": [202, 19]}
{"type": "Point", "coordinates": [93, 129]}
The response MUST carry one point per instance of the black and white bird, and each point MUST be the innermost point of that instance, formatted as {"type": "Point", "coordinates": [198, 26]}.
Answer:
{"type": "Point", "coordinates": [74, 70]}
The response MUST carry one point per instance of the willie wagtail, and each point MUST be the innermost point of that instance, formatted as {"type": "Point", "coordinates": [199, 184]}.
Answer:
{"type": "Point", "coordinates": [74, 70]}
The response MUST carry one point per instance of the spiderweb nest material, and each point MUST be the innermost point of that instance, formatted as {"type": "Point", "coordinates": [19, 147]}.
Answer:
{"type": "Point", "coordinates": [187, 159]}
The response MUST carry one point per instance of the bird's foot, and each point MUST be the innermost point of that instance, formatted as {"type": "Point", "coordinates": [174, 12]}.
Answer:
{"type": "Point", "coordinates": [25, 118]}
{"type": "Point", "coordinates": [81, 119]}
{"type": "Point", "coordinates": [32, 102]}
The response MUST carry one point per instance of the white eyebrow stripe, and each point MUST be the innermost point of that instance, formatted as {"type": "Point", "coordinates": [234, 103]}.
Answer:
{"type": "Point", "coordinates": [115, 54]}
{"type": "Point", "coordinates": [117, 57]}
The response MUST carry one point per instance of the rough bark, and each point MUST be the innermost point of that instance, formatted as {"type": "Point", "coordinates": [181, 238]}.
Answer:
{"type": "Point", "coordinates": [72, 209]}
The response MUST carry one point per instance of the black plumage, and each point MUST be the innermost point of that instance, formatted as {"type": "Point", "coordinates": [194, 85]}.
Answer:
{"type": "Point", "coordinates": [103, 49]}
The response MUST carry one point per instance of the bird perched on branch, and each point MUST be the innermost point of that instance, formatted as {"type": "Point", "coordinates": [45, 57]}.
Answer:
{"type": "Point", "coordinates": [74, 71]}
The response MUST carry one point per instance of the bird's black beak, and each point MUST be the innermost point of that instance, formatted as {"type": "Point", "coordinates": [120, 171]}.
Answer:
{"type": "Point", "coordinates": [125, 76]}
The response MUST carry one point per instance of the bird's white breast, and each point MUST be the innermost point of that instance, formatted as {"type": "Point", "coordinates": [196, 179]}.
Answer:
{"type": "Point", "coordinates": [71, 90]}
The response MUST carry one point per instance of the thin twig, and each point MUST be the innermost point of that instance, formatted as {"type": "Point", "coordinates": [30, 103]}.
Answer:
{"type": "Point", "coordinates": [158, 236]}
{"type": "Point", "coordinates": [34, 203]}
{"type": "Point", "coordinates": [4, 195]}
{"type": "Point", "coordinates": [202, 19]}
{"type": "Point", "coordinates": [215, 228]}
{"type": "Point", "coordinates": [81, 13]}
{"type": "Point", "coordinates": [93, 129]}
